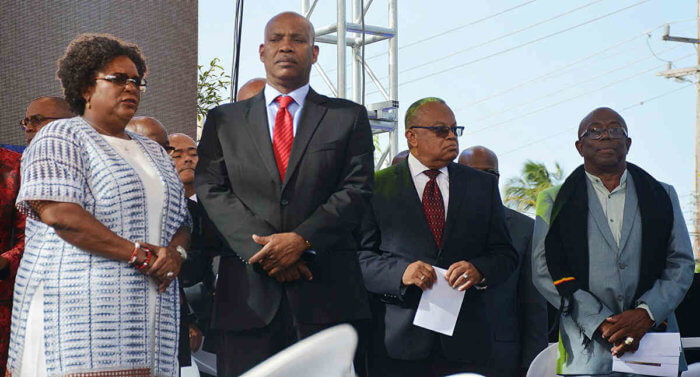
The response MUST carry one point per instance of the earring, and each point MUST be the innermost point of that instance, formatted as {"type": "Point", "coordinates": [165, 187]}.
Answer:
{"type": "Point", "coordinates": [88, 104]}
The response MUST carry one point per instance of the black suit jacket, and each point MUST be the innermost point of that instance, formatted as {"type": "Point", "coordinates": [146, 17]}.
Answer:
{"type": "Point", "coordinates": [329, 179]}
{"type": "Point", "coordinates": [516, 306]}
{"type": "Point", "coordinates": [395, 233]}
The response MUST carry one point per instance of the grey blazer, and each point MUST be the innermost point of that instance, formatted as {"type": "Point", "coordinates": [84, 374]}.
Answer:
{"type": "Point", "coordinates": [613, 278]}
{"type": "Point", "coordinates": [516, 307]}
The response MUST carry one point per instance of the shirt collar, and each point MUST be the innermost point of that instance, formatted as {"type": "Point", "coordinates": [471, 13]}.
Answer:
{"type": "Point", "coordinates": [417, 168]}
{"type": "Point", "coordinates": [298, 94]}
{"type": "Point", "coordinates": [598, 183]}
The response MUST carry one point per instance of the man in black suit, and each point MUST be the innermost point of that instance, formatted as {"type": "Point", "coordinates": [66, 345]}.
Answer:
{"type": "Point", "coordinates": [422, 218]}
{"type": "Point", "coordinates": [516, 305]}
{"type": "Point", "coordinates": [285, 177]}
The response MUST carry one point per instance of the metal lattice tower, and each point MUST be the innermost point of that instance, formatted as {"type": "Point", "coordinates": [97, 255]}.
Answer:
{"type": "Point", "coordinates": [343, 33]}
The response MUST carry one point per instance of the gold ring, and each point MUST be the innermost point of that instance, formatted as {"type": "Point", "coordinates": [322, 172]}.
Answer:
{"type": "Point", "coordinates": [629, 340]}
{"type": "Point", "coordinates": [422, 277]}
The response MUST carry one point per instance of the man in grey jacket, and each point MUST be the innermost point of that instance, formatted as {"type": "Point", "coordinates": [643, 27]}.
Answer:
{"type": "Point", "coordinates": [611, 250]}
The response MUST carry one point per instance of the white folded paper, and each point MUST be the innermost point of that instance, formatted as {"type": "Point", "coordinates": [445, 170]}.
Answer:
{"type": "Point", "coordinates": [439, 306]}
{"type": "Point", "coordinates": [658, 355]}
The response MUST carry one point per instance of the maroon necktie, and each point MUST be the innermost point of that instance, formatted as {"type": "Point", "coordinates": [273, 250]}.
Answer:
{"type": "Point", "coordinates": [283, 134]}
{"type": "Point", "coordinates": [433, 206]}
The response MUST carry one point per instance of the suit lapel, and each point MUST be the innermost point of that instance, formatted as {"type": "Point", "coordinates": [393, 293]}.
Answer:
{"type": "Point", "coordinates": [259, 132]}
{"type": "Point", "coordinates": [629, 215]}
{"type": "Point", "coordinates": [596, 212]}
{"type": "Point", "coordinates": [311, 115]}
{"type": "Point", "coordinates": [411, 204]}
{"type": "Point", "coordinates": [458, 190]}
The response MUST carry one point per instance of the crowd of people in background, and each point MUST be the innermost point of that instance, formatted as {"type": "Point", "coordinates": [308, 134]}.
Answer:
{"type": "Point", "coordinates": [123, 249]}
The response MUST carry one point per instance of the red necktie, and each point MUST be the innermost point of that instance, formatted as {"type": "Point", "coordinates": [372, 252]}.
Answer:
{"type": "Point", "coordinates": [283, 133]}
{"type": "Point", "coordinates": [433, 206]}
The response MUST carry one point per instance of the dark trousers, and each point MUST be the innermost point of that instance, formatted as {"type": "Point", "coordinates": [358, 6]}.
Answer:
{"type": "Point", "coordinates": [240, 351]}
{"type": "Point", "coordinates": [435, 365]}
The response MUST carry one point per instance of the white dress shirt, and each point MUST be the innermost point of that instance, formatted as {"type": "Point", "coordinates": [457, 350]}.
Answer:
{"type": "Point", "coordinates": [420, 180]}
{"type": "Point", "coordinates": [299, 96]}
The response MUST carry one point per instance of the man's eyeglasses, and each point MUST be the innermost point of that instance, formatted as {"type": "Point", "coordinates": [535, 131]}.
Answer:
{"type": "Point", "coordinates": [35, 121]}
{"type": "Point", "coordinates": [492, 171]}
{"type": "Point", "coordinates": [595, 133]}
{"type": "Point", "coordinates": [443, 131]}
{"type": "Point", "coordinates": [122, 79]}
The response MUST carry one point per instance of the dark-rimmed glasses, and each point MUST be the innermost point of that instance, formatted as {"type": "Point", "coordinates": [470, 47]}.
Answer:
{"type": "Point", "coordinates": [595, 133]}
{"type": "Point", "coordinates": [491, 171]}
{"type": "Point", "coordinates": [443, 131]}
{"type": "Point", "coordinates": [35, 121]}
{"type": "Point", "coordinates": [122, 79]}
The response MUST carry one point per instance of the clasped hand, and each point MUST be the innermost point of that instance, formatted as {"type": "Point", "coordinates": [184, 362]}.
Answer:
{"type": "Point", "coordinates": [423, 275]}
{"type": "Point", "coordinates": [628, 324]}
{"type": "Point", "coordinates": [280, 256]}
{"type": "Point", "coordinates": [165, 265]}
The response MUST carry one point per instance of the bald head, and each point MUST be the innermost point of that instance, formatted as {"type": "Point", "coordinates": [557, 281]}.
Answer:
{"type": "Point", "coordinates": [290, 17]}
{"type": "Point", "coordinates": [184, 155]}
{"type": "Point", "coordinates": [150, 128]}
{"type": "Point", "coordinates": [480, 158]}
{"type": "Point", "coordinates": [399, 157]}
{"type": "Point", "coordinates": [42, 111]}
{"type": "Point", "coordinates": [250, 89]}
{"type": "Point", "coordinates": [601, 115]}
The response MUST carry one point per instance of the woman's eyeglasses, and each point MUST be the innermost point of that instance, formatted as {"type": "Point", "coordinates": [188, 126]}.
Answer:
{"type": "Point", "coordinates": [122, 79]}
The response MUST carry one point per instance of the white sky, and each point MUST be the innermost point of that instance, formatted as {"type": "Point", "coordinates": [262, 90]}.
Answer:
{"type": "Point", "coordinates": [528, 107]}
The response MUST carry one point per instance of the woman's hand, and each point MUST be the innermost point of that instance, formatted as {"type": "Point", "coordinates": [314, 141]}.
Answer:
{"type": "Point", "coordinates": [166, 266]}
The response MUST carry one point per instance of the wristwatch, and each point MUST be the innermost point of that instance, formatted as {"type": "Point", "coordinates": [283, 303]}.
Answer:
{"type": "Point", "coordinates": [182, 251]}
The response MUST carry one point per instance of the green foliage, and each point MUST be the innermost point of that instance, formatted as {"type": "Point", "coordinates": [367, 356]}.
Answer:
{"type": "Point", "coordinates": [212, 87]}
{"type": "Point", "coordinates": [522, 192]}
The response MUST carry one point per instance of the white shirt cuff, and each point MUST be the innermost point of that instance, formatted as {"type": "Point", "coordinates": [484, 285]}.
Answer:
{"type": "Point", "coordinates": [646, 307]}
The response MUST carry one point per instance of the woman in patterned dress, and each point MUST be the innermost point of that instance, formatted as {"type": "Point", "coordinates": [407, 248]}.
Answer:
{"type": "Point", "coordinates": [94, 294]}
{"type": "Point", "coordinates": [11, 243]}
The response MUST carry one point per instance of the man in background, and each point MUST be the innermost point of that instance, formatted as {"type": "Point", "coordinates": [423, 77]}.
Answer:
{"type": "Point", "coordinates": [250, 89]}
{"type": "Point", "coordinates": [151, 128]}
{"type": "Point", "coordinates": [40, 112]}
{"type": "Point", "coordinates": [516, 306]}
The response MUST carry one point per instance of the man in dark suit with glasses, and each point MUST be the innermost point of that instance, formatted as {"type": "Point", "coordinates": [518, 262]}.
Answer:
{"type": "Point", "coordinates": [426, 212]}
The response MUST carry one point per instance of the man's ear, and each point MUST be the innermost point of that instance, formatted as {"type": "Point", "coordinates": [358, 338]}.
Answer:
{"type": "Point", "coordinates": [410, 138]}
{"type": "Point", "coordinates": [579, 147]}
{"type": "Point", "coordinates": [315, 53]}
{"type": "Point", "coordinates": [260, 51]}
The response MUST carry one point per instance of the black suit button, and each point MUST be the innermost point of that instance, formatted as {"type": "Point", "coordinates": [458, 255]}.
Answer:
{"type": "Point", "coordinates": [623, 266]}
{"type": "Point", "coordinates": [284, 202]}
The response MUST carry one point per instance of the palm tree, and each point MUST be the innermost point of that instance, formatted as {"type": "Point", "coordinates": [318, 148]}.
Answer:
{"type": "Point", "coordinates": [521, 192]}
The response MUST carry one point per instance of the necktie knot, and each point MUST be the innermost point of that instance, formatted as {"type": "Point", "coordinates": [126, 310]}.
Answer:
{"type": "Point", "coordinates": [284, 101]}
{"type": "Point", "coordinates": [432, 173]}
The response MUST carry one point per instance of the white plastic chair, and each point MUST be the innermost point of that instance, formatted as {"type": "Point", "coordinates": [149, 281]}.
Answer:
{"type": "Point", "coordinates": [544, 364]}
{"type": "Point", "coordinates": [190, 371]}
{"type": "Point", "coordinates": [693, 371]}
{"type": "Point", "coordinates": [326, 354]}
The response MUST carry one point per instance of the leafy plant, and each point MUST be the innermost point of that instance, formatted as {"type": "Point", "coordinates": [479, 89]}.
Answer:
{"type": "Point", "coordinates": [212, 88]}
{"type": "Point", "coordinates": [522, 192]}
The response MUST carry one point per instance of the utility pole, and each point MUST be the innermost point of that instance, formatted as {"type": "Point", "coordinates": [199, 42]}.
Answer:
{"type": "Point", "coordinates": [680, 75]}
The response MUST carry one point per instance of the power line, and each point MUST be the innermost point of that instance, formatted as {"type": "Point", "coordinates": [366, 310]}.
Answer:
{"type": "Point", "coordinates": [521, 45]}
{"type": "Point", "coordinates": [562, 69]}
{"type": "Point", "coordinates": [570, 130]}
{"type": "Point", "coordinates": [572, 98]}
{"type": "Point", "coordinates": [471, 23]}
{"type": "Point", "coordinates": [502, 36]}
{"type": "Point", "coordinates": [577, 84]}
